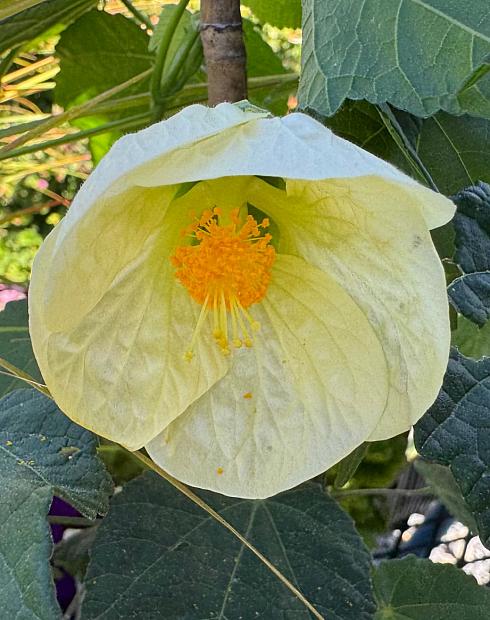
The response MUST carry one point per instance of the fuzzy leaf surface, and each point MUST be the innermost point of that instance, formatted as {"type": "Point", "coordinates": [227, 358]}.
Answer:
{"type": "Point", "coordinates": [158, 556]}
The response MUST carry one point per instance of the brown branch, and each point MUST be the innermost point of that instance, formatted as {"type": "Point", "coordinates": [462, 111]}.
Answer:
{"type": "Point", "coordinates": [224, 50]}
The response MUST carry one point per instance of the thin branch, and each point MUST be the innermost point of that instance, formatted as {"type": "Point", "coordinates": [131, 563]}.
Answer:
{"type": "Point", "coordinates": [126, 123]}
{"type": "Point", "coordinates": [30, 210]}
{"type": "Point", "coordinates": [17, 373]}
{"type": "Point", "coordinates": [339, 494]}
{"type": "Point", "coordinates": [75, 112]}
{"type": "Point", "coordinates": [71, 521]}
{"type": "Point", "coordinates": [395, 129]}
{"type": "Point", "coordinates": [139, 15]}
{"type": "Point", "coordinates": [202, 504]}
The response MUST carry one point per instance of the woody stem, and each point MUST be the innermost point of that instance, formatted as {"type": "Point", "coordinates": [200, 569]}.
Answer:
{"type": "Point", "coordinates": [224, 50]}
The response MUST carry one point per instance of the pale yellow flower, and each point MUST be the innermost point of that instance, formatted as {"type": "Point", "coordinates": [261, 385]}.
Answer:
{"type": "Point", "coordinates": [246, 360]}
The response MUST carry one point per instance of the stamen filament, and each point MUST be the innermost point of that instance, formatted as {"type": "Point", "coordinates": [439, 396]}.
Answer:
{"type": "Point", "coordinates": [226, 271]}
{"type": "Point", "coordinates": [189, 354]}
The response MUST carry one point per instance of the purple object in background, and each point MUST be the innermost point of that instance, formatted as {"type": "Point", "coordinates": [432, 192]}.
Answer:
{"type": "Point", "coordinates": [65, 586]}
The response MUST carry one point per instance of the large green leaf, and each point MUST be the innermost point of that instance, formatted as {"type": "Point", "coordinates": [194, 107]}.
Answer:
{"type": "Point", "coordinates": [454, 150]}
{"type": "Point", "coordinates": [470, 293]}
{"type": "Point", "coordinates": [15, 345]}
{"type": "Point", "coordinates": [97, 52]}
{"type": "Point", "coordinates": [52, 15]}
{"type": "Point", "coordinates": [455, 432]}
{"type": "Point", "coordinates": [471, 340]}
{"type": "Point", "coordinates": [42, 453]}
{"type": "Point", "coordinates": [415, 589]}
{"type": "Point", "coordinates": [442, 482]}
{"type": "Point", "coordinates": [158, 556]}
{"type": "Point", "coordinates": [280, 13]}
{"type": "Point", "coordinates": [419, 55]}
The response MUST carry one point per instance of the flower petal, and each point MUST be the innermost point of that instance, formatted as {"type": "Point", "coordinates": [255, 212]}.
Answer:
{"type": "Point", "coordinates": [309, 391]}
{"type": "Point", "coordinates": [118, 367]}
{"type": "Point", "coordinates": [370, 237]}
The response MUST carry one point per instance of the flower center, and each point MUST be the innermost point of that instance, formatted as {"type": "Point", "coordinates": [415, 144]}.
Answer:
{"type": "Point", "coordinates": [226, 271]}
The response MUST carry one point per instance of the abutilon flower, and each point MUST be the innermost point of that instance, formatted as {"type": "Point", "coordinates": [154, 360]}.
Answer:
{"type": "Point", "coordinates": [248, 297]}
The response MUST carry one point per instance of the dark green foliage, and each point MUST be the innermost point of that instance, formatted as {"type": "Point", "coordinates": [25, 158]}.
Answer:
{"type": "Point", "coordinates": [414, 589]}
{"type": "Point", "coordinates": [455, 432]}
{"type": "Point", "coordinates": [157, 555]}
{"type": "Point", "coordinates": [42, 453]}
{"type": "Point", "coordinates": [470, 293]}
{"type": "Point", "coordinates": [15, 345]}
{"type": "Point", "coordinates": [385, 51]}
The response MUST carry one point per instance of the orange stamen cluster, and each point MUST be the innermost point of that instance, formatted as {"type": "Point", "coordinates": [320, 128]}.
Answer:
{"type": "Point", "coordinates": [228, 270]}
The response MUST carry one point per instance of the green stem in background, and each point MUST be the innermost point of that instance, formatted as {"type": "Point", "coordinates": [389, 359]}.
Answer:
{"type": "Point", "coordinates": [215, 515]}
{"type": "Point", "coordinates": [395, 129]}
{"type": "Point", "coordinates": [126, 123]}
{"type": "Point", "coordinates": [190, 93]}
{"type": "Point", "coordinates": [179, 61]}
{"type": "Point", "coordinates": [75, 112]}
{"type": "Point", "coordinates": [339, 494]}
{"type": "Point", "coordinates": [139, 15]}
{"type": "Point", "coordinates": [71, 521]}
{"type": "Point", "coordinates": [7, 61]}
{"type": "Point", "coordinates": [16, 6]}
{"type": "Point", "coordinates": [162, 51]}
{"type": "Point", "coordinates": [17, 373]}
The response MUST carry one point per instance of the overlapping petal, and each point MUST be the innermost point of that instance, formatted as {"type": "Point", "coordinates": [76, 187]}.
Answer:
{"type": "Point", "coordinates": [370, 236]}
{"type": "Point", "coordinates": [118, 369]}
{"type": "Point", "coordinates": [110, 323]}
{"type": "Point", "coordinates": [309, 391]}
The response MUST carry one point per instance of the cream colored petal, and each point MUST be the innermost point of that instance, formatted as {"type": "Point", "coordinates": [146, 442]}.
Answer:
{"type": "Point", "coordinates": [372, 240]}
{"type": "Point", "coordinates": [118, 369]}
{"type": "Point", "coordinates": [310, 390]}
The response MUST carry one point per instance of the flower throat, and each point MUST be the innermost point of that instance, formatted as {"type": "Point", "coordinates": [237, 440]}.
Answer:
{"type": "Point", "coordinates": [226, 271]}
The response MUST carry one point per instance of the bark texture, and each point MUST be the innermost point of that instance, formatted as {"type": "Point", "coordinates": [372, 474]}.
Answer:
{"type": "Point", "coordinates": [224, 50]}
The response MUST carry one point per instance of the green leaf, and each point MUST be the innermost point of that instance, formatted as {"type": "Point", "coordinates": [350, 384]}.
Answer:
{"type": "Point", "coordinates": [280, 13]}
{"type": "Point", "coordinates": [471, 340]}
{"type": "Point", "coordinates": [348, 466]}
{"type": "Point", "coordinates": [72, 554]}
{"type": "Point", "coordinates": [470, 293]}
{"type": "Point", "coordinates": [442, 482]}
{"type": "Point", "coordinates": [15, 345]}
{"type": "Point", "coordinates": [455, 432]}
{"type": "Point", "coordinates": [419, 55]}
{"type": "Point", "coordinates": [261, 59]}
{"type": "Point", "coordinates": [185, 33]}
{"type": "Point", "coordinates": [11, 7]}
{"type": "Point", "coordinates": [42, 454]}
{"type": "Point", "coordinates": [157, 551]}
{"type": "Point", "coordinates": [184, 26]}
{"type": "Point", "coordinates": [455, 150]}
{"type": "Point", "coordinates": [416, 589]}
{"type": "Point", "coordinates": [52, 15]}
{"type": "Point", "coordinates": [96, 53]}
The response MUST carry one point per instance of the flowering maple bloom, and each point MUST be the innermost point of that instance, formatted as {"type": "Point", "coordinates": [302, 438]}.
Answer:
{"type": "Point", "coordinates": [249, 297]}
